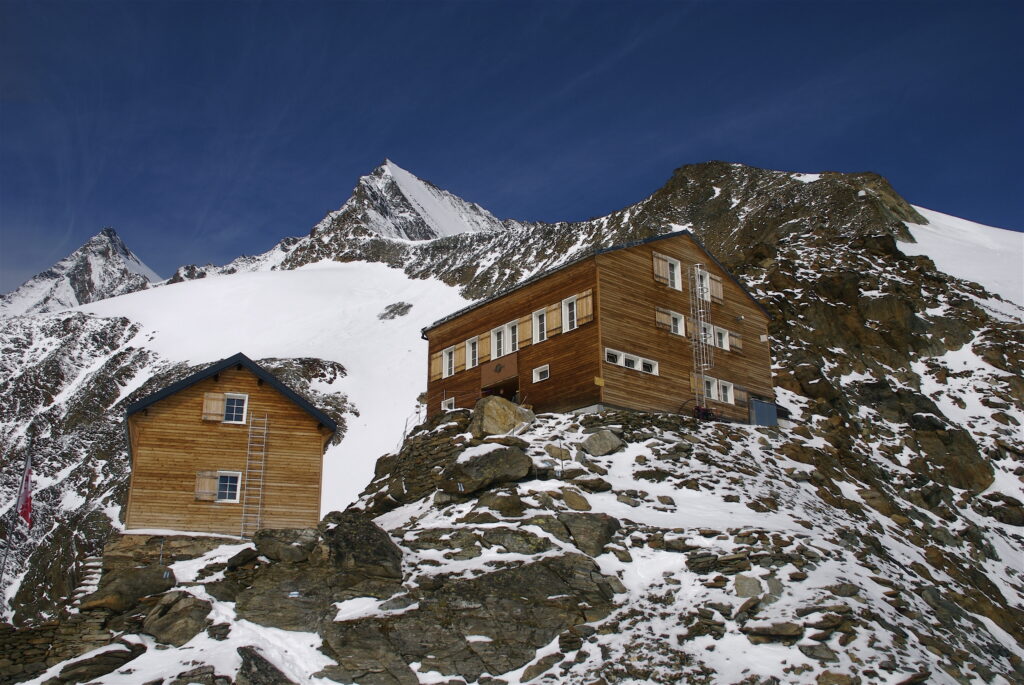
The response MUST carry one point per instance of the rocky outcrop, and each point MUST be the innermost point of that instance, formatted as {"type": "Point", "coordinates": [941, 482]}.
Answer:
{"type": "Point", "coordinates": [122, 589]}
{"type": "Point", "coordinates": [494, 415]}
{"type": "Point", "coordinates": [177, 618]}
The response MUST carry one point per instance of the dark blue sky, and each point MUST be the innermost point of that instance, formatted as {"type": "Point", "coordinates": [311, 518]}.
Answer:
{"type": "Point", "coordinates": [202, 131]}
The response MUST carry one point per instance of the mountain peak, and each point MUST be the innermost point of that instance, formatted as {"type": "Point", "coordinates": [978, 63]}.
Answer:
{"type": "Point", "coordinates": [102, 267]}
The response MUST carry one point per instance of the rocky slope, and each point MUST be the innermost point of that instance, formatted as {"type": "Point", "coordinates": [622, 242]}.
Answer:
{"type": "Point", "coordinates": [103, 267]}
{"type": "Point", "coordinates": [907, 461]}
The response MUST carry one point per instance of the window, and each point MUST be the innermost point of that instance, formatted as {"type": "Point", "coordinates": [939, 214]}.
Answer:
{"type": "Point", "coordinates": [472, 352]}
{"type": "Point", "coordinates": [673, 274]}
{"type": "Point", "coordinates": [648, 366]}
{"type": "Point", "coordinates": [541, 373]}
{"type": "Point", "coordinates": [227, 486]}
{"type": "Point", "coordinates": [513, 336]}
{"type": "Point", "coordinates": [448, 360]}
{"type": "Point", "coordinates": [505, 339]}
{"type": "Point", "coordinates": [707, 333]}
{"type": "Point", "coordinates": [725, 392]}
{"type": "Point", "coordinates": [721, 338]}
{"type": "Point", "coordinates": [677, 325]}
{"type": "Point", "coordinates": [448, 404]}
{"type": "Point", "coordinates": [631, 361]}
{"type": "Point", "coordinates": [234, 408]}
{"type": "Point", "coordinates": [710, 388]}
{"type": "Point", "coordinates": [668, 271]}
{"type": "Point", "coordinates": [703, 289]}
{"type": "Point", "coordinates": [497, 343]}
{"type": "Point", "coordinates": [540, 326]}
{"type": "Point", "coordinates": [612, 357]}
{"type": "Point", "coordinates": [720, 391]}
{"type": "Point", "coordinates": [569, 314]}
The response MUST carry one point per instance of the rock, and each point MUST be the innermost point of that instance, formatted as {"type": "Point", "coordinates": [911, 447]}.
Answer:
{"type": "Point", "coordinates": [478, 471]}
{"type": "Point", "coordinates": [830, 678]}
{"type": "Point", "coordinates": [574, 500]}
{"type": "Point", "coordinates": [101, 664]}
{"type": "Point", "coordinates": [558, 453]}
{"type": "Point", "coordinates": [290, 545]}
{"type": "Point", "coordinates": [256, 670]}
{"type": "Point", "coordinates": [843, 589]}
{"type": "Point", "coordinates": [177, 618]}
{"type": "Point", "coordinates": [819, 652]}
{"type": "Point", "coordinates": [494, 415]}
{"type": "Point", "coordinates": [360, 547]}
{"type": "Point", "coordinates": [746, 586]}
{"type": "Point", "coordinates": [779, 630]}
{"type": "Point", "coordinates": [593, 484]}
{"type": "Point", "coordinates": [541, 665]}
{"type": "Point", "coordinates": [590, 532]}
{"type": "Point", "coordinates": [121, 589]}
{"type": "Point", "coordinates": [508, 504]}
{"type": "Point", "coordinates": [243, 558]}
{"type": "Point", "coordinates": [601, 443]}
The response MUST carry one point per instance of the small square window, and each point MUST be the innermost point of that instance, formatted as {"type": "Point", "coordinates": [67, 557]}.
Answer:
{"type": "Point", "coordinates": [234, 408]}
{"type": "Point", "coordinates": [630, 362]}
{"type": "Point", "coordinates": [647, 366]}
{"type": "Point", "coordinates": [541, 373]}
{"type": "Point", "coordinates": [227, 486]}
{"type": "Point", "coordinates": [612, 357]}
{"type": "Point", "coordinates": [448, 404]}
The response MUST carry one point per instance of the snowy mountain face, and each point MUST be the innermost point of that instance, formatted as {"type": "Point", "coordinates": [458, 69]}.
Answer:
{"type": "Point", "coordinates": [897, 489]}
{"type": "Point", "coordinates": [103, 267]}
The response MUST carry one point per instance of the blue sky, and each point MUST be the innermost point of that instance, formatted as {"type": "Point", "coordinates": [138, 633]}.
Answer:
{"type": "Point", "coordinates": [202, 131]}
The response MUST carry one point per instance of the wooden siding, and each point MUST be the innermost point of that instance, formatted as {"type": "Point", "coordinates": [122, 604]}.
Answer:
{"type": "Point", "coordinates": [573, 356]}
{"type": "Point", "coordinates": [630, 295]}
{"type": "Point", "coordinates": [171, 443]}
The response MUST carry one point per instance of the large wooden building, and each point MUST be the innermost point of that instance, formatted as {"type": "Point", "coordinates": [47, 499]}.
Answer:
{"type": "Point", "coordinates": [229, 449]}
{"type": "Point", "coordinates": [656, 325]}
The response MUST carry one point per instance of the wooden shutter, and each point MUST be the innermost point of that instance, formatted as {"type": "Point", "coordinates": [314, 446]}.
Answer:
{"type": "Point", "coordinates": [213, 406]}
{"type": "Point", "coordinates": [735, 342]}
{"type": "Point", "coordinates": [693, 383]}
{"type": "Point", "coordinates": [206, 485]}
{"type": "Point", "coordinates": [554, 315]}
{"type": "Point", "coordinates": [526, 330]}
{"type": "Point", "coordinates": [484, 346]}
{"type": "Point", "coordinates": [585, 307]}
{"type": "Point", "coordinates": [460, 357]}
{"type": "Point", "coordinates": [662, 318]}
{"type": "Point", "coordinates": [740, 396]}
{"type": "Point", "coordinates": [661, 268]}
{"type": "Point", "coordinates": [717, 294]}
{"type": "Point", "coordinates": [435, 366]}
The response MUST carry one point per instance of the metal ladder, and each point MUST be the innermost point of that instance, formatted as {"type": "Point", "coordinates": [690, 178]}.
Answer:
{"type": "Point", "coordinates": [252, 488]}
{"type": "Point", "coordinates": [700, 315]}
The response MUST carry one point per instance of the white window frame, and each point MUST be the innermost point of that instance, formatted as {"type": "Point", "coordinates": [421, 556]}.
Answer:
{"type": "Point", "coordinates": [726, 393]}
{"type": "Point", "coordinates": [498, 342]}
{"type": "Point", "coordinates": [237, 475]}
{"type": "Point", "coordinates": [609, 352]}
{"type": "Point", "coordinates": [541, 373]}
{"type": "Point", "coordinates": [540, 326]}
{"type": "Point", "coordinates": [677, 325]}
{"type": "Point", "coordinates": [721, 336]}
{"type": "Point", "coordinates": [653, 364]}
{"type": "Point", "coordinates": [448, 404]}
{"type": "Point", "coordinates": [448, 362]}
{"type": "Point", "coordinates": [631, 361]}
{"type": "Point", "coordinates": [711, 388]}
{"type": "Point", "coordinates": [567, 303]}
{"type": "Point", "coordinates": [675, 270]}
{"type": "Point", "coordinates": [707, 333]}
{"type": "Point", "coordinates": [704, 285]}
{"type": "Point", "coordinates": [472, 352]}
{"type": "Point", "coordinates": [623, 359]}
{"type": "Point", "coordinates": [512, 331]}
{"type": "Point", "coordinates": [245, 406]}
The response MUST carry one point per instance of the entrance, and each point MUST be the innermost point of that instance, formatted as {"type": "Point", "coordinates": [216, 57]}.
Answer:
{"type": "Point", "coordinates": [508, 390]}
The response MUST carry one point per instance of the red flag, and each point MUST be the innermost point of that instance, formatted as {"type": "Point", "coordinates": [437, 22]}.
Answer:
{"type": "Point", "coordinates": [25, 494]}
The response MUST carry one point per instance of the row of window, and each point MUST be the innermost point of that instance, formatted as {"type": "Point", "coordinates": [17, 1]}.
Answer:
{"type": "Point", "coordinates": [540, 374]}
{"type": "Point", "coordinates": [669, 271]}
{"type": "Point", "coordinates": [721, 391]}
{"type": "Point", "coordinates": [720, 337]}
{"type": "Point", "coordinates": [631, 361]}
{"type": "Point", "coordinates": [565, 316]}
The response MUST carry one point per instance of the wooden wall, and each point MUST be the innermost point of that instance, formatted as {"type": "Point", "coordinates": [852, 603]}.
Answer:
{"type": "Point", "coordinates": [171, 443]}
{"type": "Point", "coordinates": [629, 295]}
{"type": "Point", "coordinates": [573, 357]}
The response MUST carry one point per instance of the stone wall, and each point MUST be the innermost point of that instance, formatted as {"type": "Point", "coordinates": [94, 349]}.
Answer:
{"type": "Point", "coordinates": [27, 652]}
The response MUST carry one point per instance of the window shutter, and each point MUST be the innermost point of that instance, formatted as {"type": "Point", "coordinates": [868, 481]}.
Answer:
{"type": "Point", "coordinates": [484, 349]}
{"type": "Point", "coordinates": [213, 406]}
{"type": "Point", "coordinates": [717, 294]}
{"type": "Point", "coordinates": [435, 366]}
{"type": "Point", "coordinates": [662, 318]}
{"type": "Point", "coordinates": [554, 316]}
{"type": "Point", "coordinates": [460, 357]}
{"type": "Point", "coordinates": [526, 330]}
{"type": "Point", "coordinates": [735, 342]}
{"type": "Point", "coordinates": [693, 383]}
{"type": "Point", "coordinates": [206, 486]}
{"type": "Point", "coordinates": [585, 307]}
{"type": "Point", "coordinates": [660, 268]}
{"type": "Point", "coordinates": [740, 396]}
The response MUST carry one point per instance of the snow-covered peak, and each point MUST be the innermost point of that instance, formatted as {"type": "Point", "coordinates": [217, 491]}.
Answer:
{"type": "Point", "coordinates": [101, 268]}
{"type": "Point", "coordinates": [394, 203]}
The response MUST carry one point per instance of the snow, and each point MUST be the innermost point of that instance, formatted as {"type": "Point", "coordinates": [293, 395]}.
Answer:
{"type": "Point", "coordinates": [443, 212]}
{"type": "Point", "coordinates": [806, 178]}
{"type": "Point", "coordinates": [327, 311]}
{"type": "Point", "coordinates": [992, 257]}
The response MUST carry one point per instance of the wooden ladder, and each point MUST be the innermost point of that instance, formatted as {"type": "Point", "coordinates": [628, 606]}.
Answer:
{"type": "Point", "coordinates": [252, 488]}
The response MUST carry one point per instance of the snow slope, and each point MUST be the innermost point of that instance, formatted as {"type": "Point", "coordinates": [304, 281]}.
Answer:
{"type": "Point", "coordinates": [992, 257]}
{"type": "Point", "coordinates": [329, 311]}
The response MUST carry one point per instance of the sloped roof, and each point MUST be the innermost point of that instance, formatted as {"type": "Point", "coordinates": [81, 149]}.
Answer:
{"type": "Point", "coordinates": [224, 364]}
{"type": "Point", "coordinates": [589, 255]}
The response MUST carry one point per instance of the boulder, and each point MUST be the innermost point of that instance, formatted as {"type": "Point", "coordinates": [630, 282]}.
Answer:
{"type": "Point", "coordinates": [746, 586]}
{"type": "Point", "coordinates": [575, 500]}
{"type": "Point", "coordinates": [590, 532]}
{"type": "Point", "coordinates": [290, 545]}
{"type": "Point", "coordinates": [256, 670]}
{"type": "Point", "coordinates": [101, 664]}
{"type": "Point", "coordinates": [177, 618]}
{"type": "Point", "coordinates": [479, 467]}
{"type": "Point", "coordinates": [601, 443]}
{"type": "Point", "coordinates": [358, 546]}
{"type": "Point", "coordinates": [121, 589]}
{"type": "Point", "coordinates": [495, 415]}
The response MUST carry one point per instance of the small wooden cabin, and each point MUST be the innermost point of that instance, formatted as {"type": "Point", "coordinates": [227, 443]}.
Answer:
{"type": "Point", "coordinates": [229, 449]}
{"type": "Point", "coordinates": [655, 325]}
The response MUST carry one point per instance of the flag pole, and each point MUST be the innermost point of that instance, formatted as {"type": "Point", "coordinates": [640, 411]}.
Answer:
{"type": "Point", "coordinates": [22, 509]}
